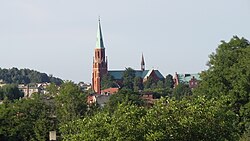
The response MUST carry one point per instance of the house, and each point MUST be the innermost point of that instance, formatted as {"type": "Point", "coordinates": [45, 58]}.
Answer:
{"type": "Point", "coordinates": [189, 79]}
{"type": "Point", "coordinates": [43, 87]}
{"type": "Point", "coordinates": [29, 89]}
{"type": "Point", "coordinates": [84, 86]}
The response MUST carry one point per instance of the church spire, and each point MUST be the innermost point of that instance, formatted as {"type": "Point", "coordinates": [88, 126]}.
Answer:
{"type": "Point", "coordinates": [142, 63]}
{"type": "Point", "coordinates": [100, 67]}
{"type": "Point", "coordinates": [99, 39]}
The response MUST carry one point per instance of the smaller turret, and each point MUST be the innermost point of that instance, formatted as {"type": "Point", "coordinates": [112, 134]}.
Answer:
{"type": "Point", "coordinates": [142, 63]}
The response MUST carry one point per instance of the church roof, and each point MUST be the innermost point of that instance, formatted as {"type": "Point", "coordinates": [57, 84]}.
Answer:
{"type": "Point", "coordinates": [117, 74]}
{"type": "Point", "coordinates": [99, 38]}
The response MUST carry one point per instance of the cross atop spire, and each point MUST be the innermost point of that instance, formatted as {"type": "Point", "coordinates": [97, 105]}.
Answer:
{"type": "Point", "coordinates": [99, 38]}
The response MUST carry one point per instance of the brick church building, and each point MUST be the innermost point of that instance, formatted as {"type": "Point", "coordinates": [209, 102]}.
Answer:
{"type": "Point", "coordinates": [100, 66]}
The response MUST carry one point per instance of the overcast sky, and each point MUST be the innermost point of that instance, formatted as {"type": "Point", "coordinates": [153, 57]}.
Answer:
{"type": "Point", "coordinates": [58, 36]}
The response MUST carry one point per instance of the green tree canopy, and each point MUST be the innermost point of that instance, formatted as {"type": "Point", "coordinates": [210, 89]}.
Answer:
{"type": "Point", "coordinates": [169, 83]}
{"type": "Point", "coordinates": [124, 96]}
{"type": "Point", "coordinates": [107, 82]}
{"type": "Point", "coordinates": [128, 78]}
{"type": "Point", "coordinates": [25, 120]}
{"type": "Point", "coordinates": [10, 91]}
{"type": "Point", "coordinates": [229, 75]}
{"type": "Point", "coordinates": [181, 90]}
{"type": "Point", "coordinates": [150, 83]}
{"type": "Point", "coordinates": [70, 102]}
{"type": "Point", "coordinates": [196, 119]}
{"type": "Point", "coordinates": [26, 76]}
{"type": "Point", "coordinates": [138, 85]}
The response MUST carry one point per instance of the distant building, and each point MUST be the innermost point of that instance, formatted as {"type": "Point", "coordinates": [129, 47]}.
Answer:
{"type": "Point", "coordinates": [2, 83]}
{"type": "Point", "coordinates": [189, 79]}
{"type": "Point", "coordinates": [91, 99]}
{"type": "Point", "coordinates": [84, 86]}
{"type": "Point", "coordinates": [100, 99]}
{"type": "Point", "coordinates": [100, 66]}
{"type": "Point", "coordinates": [30, 89]}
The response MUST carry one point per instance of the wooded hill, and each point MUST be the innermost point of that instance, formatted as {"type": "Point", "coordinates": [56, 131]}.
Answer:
{"type": "Point", "coordinates": [26, 76]}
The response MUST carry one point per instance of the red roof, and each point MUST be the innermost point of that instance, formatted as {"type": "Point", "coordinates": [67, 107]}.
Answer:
{"type": "Point", "coordinates": [110, 91]}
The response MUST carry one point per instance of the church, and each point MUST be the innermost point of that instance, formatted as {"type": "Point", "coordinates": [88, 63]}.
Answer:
{"type": "Point", "coordinates": [100, 66]}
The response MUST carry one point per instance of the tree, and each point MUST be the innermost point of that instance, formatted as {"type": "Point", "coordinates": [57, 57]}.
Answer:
{"type": "Point", "coordinates": [26, 76]}
{"type": "Point", "coordinates": [53, 90]}
{"type": "Point", "coordinates": [138, 85]}
{"type": "Point", "coordinates": [168, 119]}
{"type": "Point", "coordinates": [169, 81]}
{"type": "Point", "coordinates": [181, 90]}
{"type": "Point", "coordinates": [189, 119]}
{"type": "Point", "coordinates": [107, 82]}
{"type": "Point", "coordinates": [162, 92]}
{"type": "Point", "coordinates": [149, 84]}
{"type": "Point", "coordinates": [123, 96]}
{"type": "Point", "coordinates": [229, 75]}
{"type": "Point", "coordinates": [123, 124]}
{"type": "Point", "coordinates": [70, 103]}
{"type": "Point", "coordinates": [10, 91]}
{"type": "Point", "coordinates": [128, 78]}
{"type": "Point", "coordinates": [160, 84]}
{"type": "Point", "coordinates": [25, 119]}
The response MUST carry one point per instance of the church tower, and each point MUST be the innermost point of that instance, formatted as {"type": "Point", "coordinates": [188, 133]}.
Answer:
{"type": "Point", "coordinates": [142, 63]}
{"type": "Point", "coordinates": [99, 61]}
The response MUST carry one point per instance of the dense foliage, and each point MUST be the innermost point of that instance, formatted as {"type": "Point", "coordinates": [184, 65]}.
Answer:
{"type": "Point", "coordinates": [181, 91]}
{"type": "Point", "coordinates": [123, 96]}
{"type": "Point", "coordinates": [10, 92]}
{"type": "Point", "coordinates": [229, 75]}
{"type": "Point", "coordinates": [70, 103]}
{"type": "Point", "coordinates": [128, 78]}
{"type": "Point", "coordinates": [107, 82]}
{"type": "Point", "coordinates": [25, 76]}
{"type": "Point", "coordinates": [33, 118]}
{"type": "Point", "coordinates": [196, 119]}
{"type": "Point", "coordinates": [24, 120]}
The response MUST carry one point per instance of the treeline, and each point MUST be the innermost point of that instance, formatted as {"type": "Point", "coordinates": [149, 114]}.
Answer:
{"type": "Point", "coordinates": [217, 110]}
{"type": "Point", "coordinates": [11, 92]}
{"type": "Point", "coordinates": [26, 76]}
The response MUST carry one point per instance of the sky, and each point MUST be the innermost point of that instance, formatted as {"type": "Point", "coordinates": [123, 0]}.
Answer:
{"type": "Point", "coordinates": [58, 36]}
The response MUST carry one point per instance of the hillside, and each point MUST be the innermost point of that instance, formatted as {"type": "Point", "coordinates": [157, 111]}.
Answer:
{"type": "Point", "coordinates": [25, 76]}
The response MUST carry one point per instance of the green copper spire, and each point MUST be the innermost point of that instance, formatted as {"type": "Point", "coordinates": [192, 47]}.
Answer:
{"type": "Point", "coordinates": [99, 39]}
